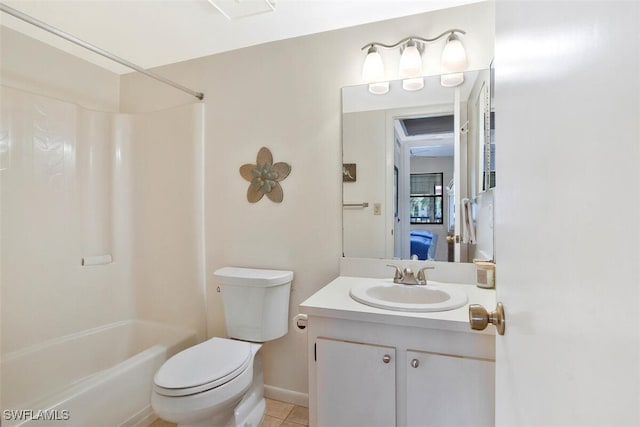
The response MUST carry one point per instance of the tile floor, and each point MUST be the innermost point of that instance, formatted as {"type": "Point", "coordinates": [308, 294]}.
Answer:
{"type": "Point", "coordinates": [277, 414]}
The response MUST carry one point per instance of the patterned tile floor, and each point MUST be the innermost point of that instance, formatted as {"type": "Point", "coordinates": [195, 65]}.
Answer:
{"type": "Point", "coordinates": [277, 414]}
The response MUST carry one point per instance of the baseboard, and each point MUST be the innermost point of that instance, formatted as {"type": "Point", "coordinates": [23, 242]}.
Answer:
{"type": "Point", "coordinates": [297, 398]}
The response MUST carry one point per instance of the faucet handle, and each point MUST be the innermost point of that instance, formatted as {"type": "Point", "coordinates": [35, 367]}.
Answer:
{"type": "Point", "coordinates": [422, 276]}
{"type": "Point", "coordinates": [397, 277]}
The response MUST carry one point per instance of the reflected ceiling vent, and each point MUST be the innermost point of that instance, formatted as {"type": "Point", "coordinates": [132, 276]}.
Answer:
{"type": "Point", "coordinates": [236, 9]}
{"type": "Point", "coordinates": [427, 125]}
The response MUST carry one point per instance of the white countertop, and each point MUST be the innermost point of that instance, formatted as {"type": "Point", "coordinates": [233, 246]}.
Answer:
{"type": "Point", "coordinates": [334, 301]}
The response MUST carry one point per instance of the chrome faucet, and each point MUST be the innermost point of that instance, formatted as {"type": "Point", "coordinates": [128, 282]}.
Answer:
{"type": "Point", "coordinates": [406, 276]}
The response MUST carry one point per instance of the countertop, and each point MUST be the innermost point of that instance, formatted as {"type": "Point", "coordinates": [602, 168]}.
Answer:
{"type": "Point", "coordinates": [334, 301]}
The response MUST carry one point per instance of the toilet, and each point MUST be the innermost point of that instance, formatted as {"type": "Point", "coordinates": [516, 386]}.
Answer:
{"type": "Point", "coordinates": [219, 382]}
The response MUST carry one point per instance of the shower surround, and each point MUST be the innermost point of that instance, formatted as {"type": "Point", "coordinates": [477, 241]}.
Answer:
{"type": "Point", "coordinates": [78, 183]}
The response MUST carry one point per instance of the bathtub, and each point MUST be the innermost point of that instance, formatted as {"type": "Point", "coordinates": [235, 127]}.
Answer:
{"type": "Point", "coordinates": [98, 377]}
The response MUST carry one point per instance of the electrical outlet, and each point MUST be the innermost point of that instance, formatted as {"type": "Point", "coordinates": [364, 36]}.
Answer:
{"type": "Point", "coordinates": [377, 209]}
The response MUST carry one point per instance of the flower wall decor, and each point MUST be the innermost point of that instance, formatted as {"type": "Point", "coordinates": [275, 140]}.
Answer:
{"type": "Point", "coordinates": [265, 177]}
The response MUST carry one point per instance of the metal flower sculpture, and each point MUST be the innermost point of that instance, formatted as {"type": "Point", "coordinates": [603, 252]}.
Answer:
{"type": "Point", "coordinates": [264, 177]}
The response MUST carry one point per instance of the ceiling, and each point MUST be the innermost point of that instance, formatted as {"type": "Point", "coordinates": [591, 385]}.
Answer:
{"type": "Point", "coordinates": [151, 33]}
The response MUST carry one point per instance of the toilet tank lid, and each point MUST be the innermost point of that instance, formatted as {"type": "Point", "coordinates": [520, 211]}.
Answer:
{"type": "Point", "coordinates": [254, 277]}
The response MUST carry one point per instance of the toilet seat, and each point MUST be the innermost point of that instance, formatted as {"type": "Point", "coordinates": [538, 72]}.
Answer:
{"type": "Point", "coordinates": [203, 367]}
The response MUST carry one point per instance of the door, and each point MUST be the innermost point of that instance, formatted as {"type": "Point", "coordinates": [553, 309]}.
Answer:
{"type": "Point", "coordinates": [356, 384]}
{"type": "Point", "coordinates": [567, 213]}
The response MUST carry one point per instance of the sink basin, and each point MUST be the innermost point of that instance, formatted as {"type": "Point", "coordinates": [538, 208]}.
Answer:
{"type": "Point", "coordinates": [392, 296]}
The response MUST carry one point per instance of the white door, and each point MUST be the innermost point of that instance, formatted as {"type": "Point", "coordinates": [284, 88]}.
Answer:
{"type": "Point", "coordinates": [356, 384]}
{"type": "Point", "coordinates": [567, 213]}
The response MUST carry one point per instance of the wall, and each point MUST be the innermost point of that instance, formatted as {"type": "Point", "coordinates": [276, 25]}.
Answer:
{"type": "Point", "coordinates": [286, 96]}
{"type": "Point", "coordinates": [164, 156]}
{"type": "Point", "coordinates": [364, 234]}
{"type": "Point", "coordinates": [36, 67]}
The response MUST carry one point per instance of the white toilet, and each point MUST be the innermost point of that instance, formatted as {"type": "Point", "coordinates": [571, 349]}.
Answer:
{"type": "Point", "coordinates": [219, 382]}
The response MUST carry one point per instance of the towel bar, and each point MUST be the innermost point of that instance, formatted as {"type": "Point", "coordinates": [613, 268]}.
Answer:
{"type": "Point", "coordinates": [356, 205]}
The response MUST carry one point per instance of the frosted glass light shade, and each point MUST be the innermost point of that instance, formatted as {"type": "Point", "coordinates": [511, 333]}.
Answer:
{"type": "Point", "coordinates": [410, 62]}
{"type": "Point", "coordinates": [373, 72]}
{"type": "Point", "coordinates": [373, 67]}
{"type": "Point", "coordinates": [454, 57]}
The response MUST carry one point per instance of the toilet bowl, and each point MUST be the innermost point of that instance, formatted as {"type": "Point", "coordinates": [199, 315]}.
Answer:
{"type": "Point", "coordinates": [205, 384]}
{"type": "Point", "coordinates": [219, 382]}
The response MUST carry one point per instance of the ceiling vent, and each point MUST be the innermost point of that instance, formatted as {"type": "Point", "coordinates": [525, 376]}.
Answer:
{"type": "Point", "coordinates": [236, 9]}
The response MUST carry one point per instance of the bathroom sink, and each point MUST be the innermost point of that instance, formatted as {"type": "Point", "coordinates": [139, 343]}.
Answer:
{"type": "Point", "coordinates": [417, 298]}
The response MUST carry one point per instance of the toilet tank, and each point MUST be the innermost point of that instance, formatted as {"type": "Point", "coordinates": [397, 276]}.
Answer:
{"type": "Point", "coordinates": [256, 302]}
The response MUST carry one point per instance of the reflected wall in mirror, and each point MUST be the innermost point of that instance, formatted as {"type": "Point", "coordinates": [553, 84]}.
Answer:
{"type": "Point", "coordinates": [422, 161]}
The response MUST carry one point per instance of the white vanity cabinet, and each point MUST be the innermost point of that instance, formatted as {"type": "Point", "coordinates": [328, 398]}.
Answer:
{"type": "Point", "coordinates": [355, 384]}
{"type": "Point", "coordinates": [373, 367]}
{"type": "Point", "coordinates": [445, 390]}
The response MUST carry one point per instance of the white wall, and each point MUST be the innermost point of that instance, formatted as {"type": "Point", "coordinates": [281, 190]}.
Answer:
{"type": "Point", "coordinates": [286, 96]}
{"type": "Point", "coordinates": [164, 159]}
{"type": "Point", "coordinates": [36, 67]}
{"type": "Point", "coordinates": [364, 233]}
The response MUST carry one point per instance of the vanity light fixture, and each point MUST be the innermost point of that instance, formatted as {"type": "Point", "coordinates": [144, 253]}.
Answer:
{"type": "Point", "coordinates": [453, 61]}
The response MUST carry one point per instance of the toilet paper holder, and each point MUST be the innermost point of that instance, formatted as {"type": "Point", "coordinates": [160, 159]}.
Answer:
{"type": "Point", "coordinates": [301, 321]}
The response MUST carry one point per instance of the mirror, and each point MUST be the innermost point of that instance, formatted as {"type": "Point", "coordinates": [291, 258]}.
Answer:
{"type": "Point", "coordinates": [415, 171]}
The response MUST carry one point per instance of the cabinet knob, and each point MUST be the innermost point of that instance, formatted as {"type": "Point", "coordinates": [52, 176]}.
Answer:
{"type": "Point", "coordinates": [415, 363]}
{"type": "Point", "coordinates": [386, 358]}
{"type": "Point", "coordinates": [479, 318]}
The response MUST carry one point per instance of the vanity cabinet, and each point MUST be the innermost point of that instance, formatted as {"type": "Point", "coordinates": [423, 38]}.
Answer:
{"type": "Point", "coordinates": [437, 382]}
{"type": "Point", "coordinates": [374, 367]}
{"type": "Point", "coordinates": [356, 384]}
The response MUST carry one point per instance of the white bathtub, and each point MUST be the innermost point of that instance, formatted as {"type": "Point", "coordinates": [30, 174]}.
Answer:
{"type": "Point", "coordinates": [95, 378]}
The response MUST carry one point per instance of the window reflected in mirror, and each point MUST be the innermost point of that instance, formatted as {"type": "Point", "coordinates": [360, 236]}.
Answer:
{"type": "Point", "coordinates": [425, 198]}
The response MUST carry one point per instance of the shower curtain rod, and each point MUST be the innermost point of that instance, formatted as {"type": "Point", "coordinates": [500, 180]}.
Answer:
{"type": "Point", "coordinates": [53, 30]}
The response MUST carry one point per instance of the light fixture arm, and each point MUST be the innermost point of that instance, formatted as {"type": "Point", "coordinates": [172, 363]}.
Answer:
{"type": "Point", "coordinates": [406, 39]}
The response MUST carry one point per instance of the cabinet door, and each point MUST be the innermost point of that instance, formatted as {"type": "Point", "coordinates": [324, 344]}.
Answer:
{"type": "Point", "coordinates": [356, 384]}
{"type": "Point", "coordinates": [449, 390]}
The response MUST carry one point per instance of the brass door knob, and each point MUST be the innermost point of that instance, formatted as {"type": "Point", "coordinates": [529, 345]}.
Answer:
{"type": "Point", "coordinates": [479, 318]}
